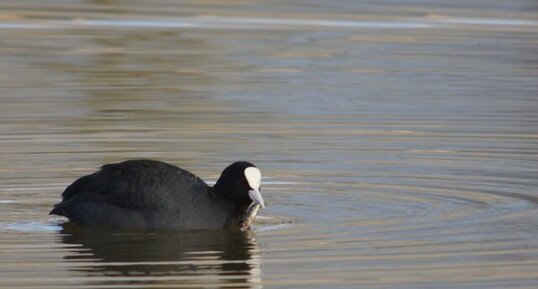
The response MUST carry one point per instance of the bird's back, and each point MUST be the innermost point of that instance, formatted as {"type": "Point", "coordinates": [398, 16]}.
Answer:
{"type": "Point", "coordinates": [141, 194]}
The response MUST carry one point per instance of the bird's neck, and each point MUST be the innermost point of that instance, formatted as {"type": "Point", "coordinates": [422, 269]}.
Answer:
{"type": "Point", "coordinates": [223, 189]}
{"type": "Point", "coordinates": [226, 191]}
{"type": "Point", "coordinates": [220, 191]}
{"type": "Point", "coordinates": [237, 209]}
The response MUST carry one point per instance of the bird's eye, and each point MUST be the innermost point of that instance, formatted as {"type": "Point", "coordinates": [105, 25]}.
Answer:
{"type": "Point", "coordinates": [243, 180]}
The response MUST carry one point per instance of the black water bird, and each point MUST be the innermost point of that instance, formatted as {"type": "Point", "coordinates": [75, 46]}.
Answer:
{"type": "Point", "coordinates": [149, 194]}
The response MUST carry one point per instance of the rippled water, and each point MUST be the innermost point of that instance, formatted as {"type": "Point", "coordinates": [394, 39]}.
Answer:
{"type": "Point", "coordinates": [398, 139]}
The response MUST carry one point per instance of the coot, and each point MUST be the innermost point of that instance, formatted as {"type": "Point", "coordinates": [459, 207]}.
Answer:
{"type": "Point", "coordinates": [149, 194]}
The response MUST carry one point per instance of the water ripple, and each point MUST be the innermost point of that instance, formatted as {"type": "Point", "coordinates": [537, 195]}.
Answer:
{"type": "Point", "coordinates": [220, 22]}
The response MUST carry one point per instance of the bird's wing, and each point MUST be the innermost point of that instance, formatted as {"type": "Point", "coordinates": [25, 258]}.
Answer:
{"type": "Point", "coordinates": [136, 184]}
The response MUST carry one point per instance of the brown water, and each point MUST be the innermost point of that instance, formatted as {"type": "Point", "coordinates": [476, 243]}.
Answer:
{"type": "Point", "coordinates": [398, 139]}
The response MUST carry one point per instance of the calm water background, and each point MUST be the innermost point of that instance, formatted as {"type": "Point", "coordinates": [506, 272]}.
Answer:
{"type": "Point", "coordinates": [398, 139]}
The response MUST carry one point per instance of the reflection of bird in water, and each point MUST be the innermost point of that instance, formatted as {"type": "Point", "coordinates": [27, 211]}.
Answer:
{"type": "Point", "coordinates": [215, 256]}
{"type": "Point", "coordinates": [148, 194]}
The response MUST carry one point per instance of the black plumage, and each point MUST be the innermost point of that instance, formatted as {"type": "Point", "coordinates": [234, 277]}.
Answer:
{"type": "Point", "coordinates": [149, 194]}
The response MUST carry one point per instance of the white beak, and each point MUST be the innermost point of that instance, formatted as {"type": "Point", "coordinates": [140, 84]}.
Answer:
{"type": "Point", "coordinates": [256, 197]}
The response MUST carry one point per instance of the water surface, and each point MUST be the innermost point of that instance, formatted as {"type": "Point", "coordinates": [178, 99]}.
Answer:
{"type": "Point", "coordinates": [398, 139]}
